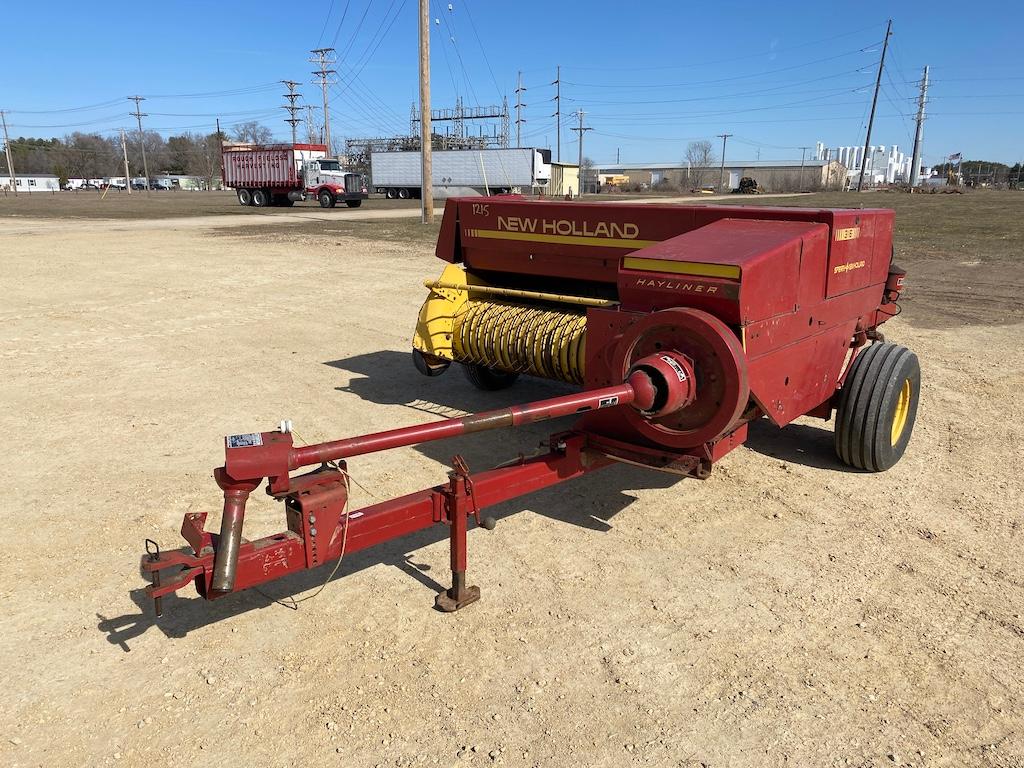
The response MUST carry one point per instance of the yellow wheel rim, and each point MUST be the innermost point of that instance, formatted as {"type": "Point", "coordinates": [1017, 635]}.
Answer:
{"type": "Point", "coordinates": [899, 416]}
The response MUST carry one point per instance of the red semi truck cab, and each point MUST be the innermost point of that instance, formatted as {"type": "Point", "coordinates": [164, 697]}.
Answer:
{"type": "Point", "coordinates": [281, 174]}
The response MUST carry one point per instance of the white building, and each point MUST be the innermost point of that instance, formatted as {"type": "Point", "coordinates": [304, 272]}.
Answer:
{"type": "Point", "coordinates": [885, 165]}
{"type": "Point", "coordinates": [37, 182]}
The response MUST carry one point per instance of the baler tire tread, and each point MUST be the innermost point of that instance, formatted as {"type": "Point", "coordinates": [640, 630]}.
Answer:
{"type": "Point", "coordinates": [867, 405]}
{"type": "Point", "coordinates": [488, 379]}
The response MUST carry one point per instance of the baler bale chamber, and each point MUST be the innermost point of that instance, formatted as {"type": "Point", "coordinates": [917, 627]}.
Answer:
{"type": "Point", "coordinates": [775, 307]}
{"type": "Point", "coordinates": [678, 324]}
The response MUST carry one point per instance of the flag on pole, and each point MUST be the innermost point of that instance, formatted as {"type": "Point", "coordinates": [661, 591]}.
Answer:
{"type": "Point", "coordinates": [955, 158]}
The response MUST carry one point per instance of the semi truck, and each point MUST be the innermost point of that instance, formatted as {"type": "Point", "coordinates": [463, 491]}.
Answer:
{"type": "Point", "coordinates": [282, 174]}
{"type": "Point", "coordinates": [462, 172]}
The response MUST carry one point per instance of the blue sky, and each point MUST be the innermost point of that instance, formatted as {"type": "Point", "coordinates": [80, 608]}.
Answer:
{"type": "Point", "coordinates": [650, 76]}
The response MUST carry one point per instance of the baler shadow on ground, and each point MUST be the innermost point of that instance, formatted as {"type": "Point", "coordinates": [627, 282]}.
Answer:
{"type": "Point", "coordinates": [389, 378]}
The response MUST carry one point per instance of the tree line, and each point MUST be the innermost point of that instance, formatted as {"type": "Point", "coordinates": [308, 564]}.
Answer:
{"type": "Point", "coordinates": [94, 156]}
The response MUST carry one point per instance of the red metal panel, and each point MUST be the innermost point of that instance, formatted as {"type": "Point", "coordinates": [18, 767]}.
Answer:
{"type": "Point", "coordinates": [850, 262]}
{"type": "Point", "coordinates": [274, 168]}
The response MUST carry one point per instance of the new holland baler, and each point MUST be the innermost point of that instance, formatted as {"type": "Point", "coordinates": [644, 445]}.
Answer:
{"type": "Point", "coordinates": [679, 324]}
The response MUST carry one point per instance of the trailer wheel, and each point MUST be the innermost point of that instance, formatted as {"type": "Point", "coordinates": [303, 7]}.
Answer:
{"type": "Point", "coordinates": [326, 199]}
{"type": "Point", "coordinates": [389, 193]}
{"type": "Point", "coordinates": [403, 193]}
{"type": "Point", "coordinates": [244, 197]}
{"type": "Point", "coordinates": [353, 203]}
{"type": "Point", "coordinates": [260, 198]}
{"type": "Point", "coordinates": [878, 407]}
{"type": "Point", "coordinates": [488, 379]}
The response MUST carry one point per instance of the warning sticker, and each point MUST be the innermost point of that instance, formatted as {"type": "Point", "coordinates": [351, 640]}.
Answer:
{"type": "Point", "coordinates": [244, 441]}
{"type": "Point", "coordinates": [675, 366]}
{"type": "Point", "coordinates": [608, 402]}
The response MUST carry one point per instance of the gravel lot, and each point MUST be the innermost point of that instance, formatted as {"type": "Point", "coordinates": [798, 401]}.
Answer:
{"type": "Point", "coordinates": [786, 611]}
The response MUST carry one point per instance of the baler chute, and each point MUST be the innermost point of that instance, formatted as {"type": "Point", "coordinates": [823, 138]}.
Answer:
{"type": "Point", "coordinates": [682, 324]}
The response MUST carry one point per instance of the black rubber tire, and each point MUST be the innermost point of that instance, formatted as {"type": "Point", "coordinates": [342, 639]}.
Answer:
{"type": "Point", "coordinates": [488, 379]}
{"type": "Point", "coordinates": [353, 203]}
{"type": "Point", "coordinates": [429, 367]}
{"type": "Point", "coordinates": [326, 199]}
{"type": "Point", "coordinates": [390, 193]}
{"type": "Point", "coordinates": [868, 405]}
{"type": "Point", "coordinates": [403, 193]}
{"type": "Point", "coordinates": [244, 196]}
{"type": "Point", "coordinates": [260, 198]}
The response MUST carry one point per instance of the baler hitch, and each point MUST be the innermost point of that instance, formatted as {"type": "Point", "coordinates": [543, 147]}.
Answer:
{"type": "Point", "coordinates": [322, 528]}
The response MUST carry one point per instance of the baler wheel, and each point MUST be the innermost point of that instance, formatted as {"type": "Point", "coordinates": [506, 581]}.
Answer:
{"type": "Point", "coordinates": [878, 407]}
{"type": "Point", "coordinates": [488, 379]}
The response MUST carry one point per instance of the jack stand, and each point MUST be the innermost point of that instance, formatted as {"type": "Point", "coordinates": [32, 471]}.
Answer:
{"type": "Point", "coordinates": [459, 595]}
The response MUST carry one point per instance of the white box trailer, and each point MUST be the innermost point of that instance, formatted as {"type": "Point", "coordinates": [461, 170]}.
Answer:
{"type": "Point", "coordinates": [462, 172]}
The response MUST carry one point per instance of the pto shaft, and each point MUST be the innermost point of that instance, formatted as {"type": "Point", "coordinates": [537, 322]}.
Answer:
{"type": "Point", "coordinates": [638, 391]}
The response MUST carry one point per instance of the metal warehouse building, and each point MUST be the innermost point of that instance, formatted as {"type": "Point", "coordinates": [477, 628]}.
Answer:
{"type": "Point", "coordinates": [773, 175]}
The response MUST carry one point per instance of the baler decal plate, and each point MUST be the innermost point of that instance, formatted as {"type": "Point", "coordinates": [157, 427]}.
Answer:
{"type": "Point", "coordinates": [682, 267]}
{"type": "Point", "coordinates": [605, 242]}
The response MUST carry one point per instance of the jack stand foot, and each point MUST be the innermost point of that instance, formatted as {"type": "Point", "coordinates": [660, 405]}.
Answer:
{"type": "Point", "coordinates": [459, 596]}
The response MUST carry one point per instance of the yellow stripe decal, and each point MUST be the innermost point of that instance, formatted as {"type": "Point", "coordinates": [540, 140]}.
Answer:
{"type": "Point", "coordinates": [682, 267]}
{"type": "Point", "coordinates": [605, 242]}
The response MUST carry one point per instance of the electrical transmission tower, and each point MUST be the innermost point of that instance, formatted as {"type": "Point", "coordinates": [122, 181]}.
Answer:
{"type": "Point", "coordinates": [292, 108]}
{"type": "Point", "coordinates": [519, 108]}
{"type": "Point", "coordinates": [311, 127]}
{"type": "Point", "coordinates": [324, 59]}
{"type": "Point", "coordinates": [142, 137]}
{"type": "Point", "coordinates": [558, 112]}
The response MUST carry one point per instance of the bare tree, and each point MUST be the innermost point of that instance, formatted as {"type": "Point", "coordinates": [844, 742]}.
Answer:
{"type": "Point", "coordinates": [588, 176]}
{"type": "Point", "coordinates": [204, 160]}
{"type": "Point", "coordinates": [253, 133]}
{"type": "Point", "coordinates": [700, 158]}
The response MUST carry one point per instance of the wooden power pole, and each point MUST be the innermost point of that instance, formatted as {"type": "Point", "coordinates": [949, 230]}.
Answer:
{"type": "Point", "coordinates": [915, 162]}
{"type": "Point", "coordinates": [874, 103]}
{"type": "Point", "coordinates": [426, 164]}
{"type": "Point", "coordinates": [142, 137]}
{"type": "Point", "coordinates": [10, 161]}
{"type": "Point", "coordinates": [721, 178]}
{"type": "Point", "coordinates": [124, 152]}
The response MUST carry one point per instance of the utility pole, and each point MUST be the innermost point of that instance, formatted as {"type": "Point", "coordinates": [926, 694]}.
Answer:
{"type": "Point", "coordinates": [426, 138]}
{"type": "Point", "coordinates": [874, 103]}
{"type": "Point", "coordinates": [558, 112]}
{"type": "Point", "coordinates": [142, 137]}
{"type": "Point", "coordinates": [616, 155]}
{"type": "Point", "coordinates": [324, 59]}
{"type": "Point", "coordinates": [721, 179]}
{"type": "Point", "coordinates": [292, 95]}
{"type": "Point", "coordinates": [124, 152]}
{"type": "Point", "coordinates": [803, 154]}
{"type": "Point", "coordinates": [519, 108]}
{"type": "Point", "coordinates": [581, 130]}
{"type": "Point", "coordinates": [7, 149]}
{"type": "Point", "coordinates": [915, 167]}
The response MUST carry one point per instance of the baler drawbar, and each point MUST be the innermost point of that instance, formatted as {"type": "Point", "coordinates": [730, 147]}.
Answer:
{"type": "Point", "coordinates": [682, 324]}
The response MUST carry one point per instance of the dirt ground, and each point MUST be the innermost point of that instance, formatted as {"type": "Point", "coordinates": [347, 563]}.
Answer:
{"type": "Point", "coordinates": [787, 611]}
